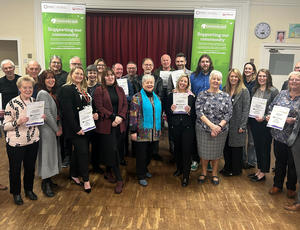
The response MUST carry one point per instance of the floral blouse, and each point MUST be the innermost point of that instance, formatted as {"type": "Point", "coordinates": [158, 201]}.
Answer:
{"type": "Point", "coordinates": [283, 99]}
{"type": "Point", "coordinates": [215, 106]}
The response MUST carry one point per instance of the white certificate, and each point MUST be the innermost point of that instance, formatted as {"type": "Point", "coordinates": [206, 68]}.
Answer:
{"type": "Point", "coordinates": [35, 111]}
{"type": "Point", "coordinates": [278, 117]}
{"type": "Point", "coordinates": [123, 84]}
{"type": "Point", "coordinates": [1, 101]}
{"type": "Point", "coordinates": [258, 107]}
{"type": "Point", "coordinates": [165, 77]}
{"type": "Point", "coordinates": [86, 119]}
{"type": "Point", "coordinates": [175, 75]}
{"type": "Point", "coordinates": [181, 101]}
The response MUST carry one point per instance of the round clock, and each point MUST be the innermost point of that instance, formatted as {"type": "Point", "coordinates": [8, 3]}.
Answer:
{"type": "Point", "coordinates": [262, 30]}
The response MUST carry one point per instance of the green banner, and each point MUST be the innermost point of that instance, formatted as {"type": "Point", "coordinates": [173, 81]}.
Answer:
{"type": "Point", "coordinates": [213, 35]}
{"type": "Point", "coordinates": [64, 32]}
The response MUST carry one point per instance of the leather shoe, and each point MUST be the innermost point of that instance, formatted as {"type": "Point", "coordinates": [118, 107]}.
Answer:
{"type": "Point", "coordinates": [31, 195]}
{"type": "Point", "coordinates": [247, 166]}
{"type": "Point", "coordinates": [251, 175]}
{"type": "Point", "coordinates": [274, 190]}
{"type": "Point", "coordinates": [293, 207]}
{"type": "Point", "coordinates": [119, 187]}
{"type": "Point", "coordinates": [256, 179]}
{"type": "Point", "coordinates": [185, 182]}
{"type": "Point", "coordinates": [291, 194]}
{"type": "Point", "coordinates": [177, 173]}
{"type": "Point", "coordinates": [47, 190]}
{"type": "Point", "coordinates": [18, 199]}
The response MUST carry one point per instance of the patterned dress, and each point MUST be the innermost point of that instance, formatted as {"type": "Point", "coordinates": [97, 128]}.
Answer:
{"type": "Point", "coordinates": [216, 107]}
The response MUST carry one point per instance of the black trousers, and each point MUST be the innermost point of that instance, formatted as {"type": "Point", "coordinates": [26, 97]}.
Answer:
{"type": "Point", "coordinates": [262, 143]}
{"type": "Point", "coordinates": [233, 157]}
{"type": "Point", "coordinates": [79, 165]}
{"type": "Point", "coordinates": [144, 151]}
{"type": "Point", "coordinates": [95, 152]}
{"type": "Point", "coordinates": [16, 155]}
{"type": "Point", "coordinates": [284, 160]}
{"type": "Point", "coordinates": [183, 147]}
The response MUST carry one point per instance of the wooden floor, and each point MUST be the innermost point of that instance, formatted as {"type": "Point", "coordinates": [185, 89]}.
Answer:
{"type": "Point", "coordinates": [235, 204]}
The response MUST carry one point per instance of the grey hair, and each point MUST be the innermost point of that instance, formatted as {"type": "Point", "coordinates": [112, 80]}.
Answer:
{"type": "Point", "coordinates": [74, 58]}
{"type": "Point", "coordinates": [215, 73]}
{"type": "Point", "coordinates": [294, 73]}
{"type": "Point", "coordinates": [5, 61]}
{"type": "Point", "coordinates": [55, 57]}
{"type": "Point", "coordinates": [32, 62]}
{"type": "Point", "coordinates": [148, 77]}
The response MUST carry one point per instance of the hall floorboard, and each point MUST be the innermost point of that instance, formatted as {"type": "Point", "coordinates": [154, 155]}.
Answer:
{"type": "Point", "coordinates": [235, 204]}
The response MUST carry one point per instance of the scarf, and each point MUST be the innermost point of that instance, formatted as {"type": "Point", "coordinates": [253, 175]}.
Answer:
{"type": "Point", "coordinates": [148, 111]}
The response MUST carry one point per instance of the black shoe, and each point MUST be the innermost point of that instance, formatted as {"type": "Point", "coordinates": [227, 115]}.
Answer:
{"type": "Point", "coordinates": [18, 199]}
{"type": "Point", "coordinates": [177, 173]}
{"type": "Point", "coordinates": [66, 162]}
{"type": "Point", "coordinates": [79, 184]}
{"type": "Point", "coordinates": [256, 179]}
{"type": "Point", "coordinates": [98, 170]}
{"type": "Point", "coordinates": [185, 182]}
{"type": "Point", "coordinates": [47, 190]}
{"type": "Point", "coordinates": [251, 175]}
{"type": "Point", "coordinates": [225, 172]}
{"type": "Point", "coordinates": [31, 195]}
{"type": "Point", "coordinates": [123, 162]}
{"type": "Point", "coordinates": [52, 184]}
{"type": "Point", "coordinates": [248, 166]}
{"type": "Point", "coordinates": [157, 157]}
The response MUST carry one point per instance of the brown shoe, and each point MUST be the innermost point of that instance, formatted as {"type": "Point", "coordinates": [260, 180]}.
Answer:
{"type": "Point", "coordinates": [293, 207]}
{"type": "Point", "coordinates": [119, 187]}
{"type": "Point", "coordinates": [291, 194]}
{"type": "Point", "coordinates": [3, 187]}
{"type": "Point", "coordinates": [274, 190]}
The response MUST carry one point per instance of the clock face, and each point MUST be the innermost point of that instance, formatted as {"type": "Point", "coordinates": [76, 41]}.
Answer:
{"type": "Point", "coordinates": [262, 30]}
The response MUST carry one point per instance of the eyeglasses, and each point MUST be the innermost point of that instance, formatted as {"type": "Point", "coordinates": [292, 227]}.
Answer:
{"type": "Point", "coordinates": [56, 63]}
{"type": "Point", "coordinates": [148, 65]}
{"type": "Point", "coordinates": [76, 64]}
{"type": "Point", "coordinates": [294, 79]}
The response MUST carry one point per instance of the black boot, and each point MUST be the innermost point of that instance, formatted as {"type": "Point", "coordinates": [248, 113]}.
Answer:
{"type": "Point", "coordinates": [46, 187]}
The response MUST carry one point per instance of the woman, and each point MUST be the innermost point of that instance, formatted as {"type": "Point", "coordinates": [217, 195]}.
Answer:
{"type": "Point", "coordinates": [249, 156]}
{"type": "Point", "coordinates": [74, 98]}
{"type": "Point", "coordinates": [264, 89]}
{"type": "Point", "coordinates": [284, 158]}
{"type": "Point", "coordinates": [182, 126]}
{"type": "Point", "coordinates": [22, 141]}
{"type": "Point", "coordinates": [59, 73]}
{"type": "Point", "coordinates": [214, 110]}
{"type": "Point", "coordinates": [236, 140]}
{"type": "Point", "coordinates": [111, 103]}
{"type": "Point", "coordinates": [49, 149]}
{"type": "Point", "coordinates": [145, 126]}
{"type": "Point", "coordinates": [101, 66]}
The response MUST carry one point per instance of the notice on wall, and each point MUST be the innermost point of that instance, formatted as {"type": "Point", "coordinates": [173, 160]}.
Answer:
{"type": "Point", "coordinates": [64, 32]}
{"type": "Point", "coordinates": [213, 35]}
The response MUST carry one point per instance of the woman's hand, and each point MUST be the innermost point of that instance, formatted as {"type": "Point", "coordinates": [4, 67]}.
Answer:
{"type": "Point", "coordinates": [215, 130]}
{"type": "Point", "coordinates": [114, 124]}
{"type": "Point", "coordinates": [59, 132]}
{"type": "Point", "coordinates": [290, 120]}
{"type": "Point", "coordinates": [22, 120]}
{"type": "Point", "coordinates": [134, 136]}
{"type": "Point", "coordinates": [95, 116]}
{"type": "Point", "coordinates": [267, 117]}
{"type": "Point", "coordinates": [187, 109]}
{"type": "Point", "coordinates": [44, 116]}
{"type": "Point", "coordinates": [259, 119]}
{"type": "Point", "coordinates": [173, 107]}
{"type": "Point", "coordinates": [80, 132]}
{"type": "Point", "coordinates": [118, 120]}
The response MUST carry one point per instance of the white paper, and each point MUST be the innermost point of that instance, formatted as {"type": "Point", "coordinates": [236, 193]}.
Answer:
{"type": "Point", "coordinates": [123, 84]}
{"type": "Point", "coordinates": [181, 101]}
{"type": "Point", "coordinates": [278, 117]}
{"type": "Point", "coordinates": [1, 101]}
{"type": "Point", "coordinates": [175, 75]}
{"type": "Point", "coordinates": [86, 119]}
{"type": "Point", "coordinates": [258, 107]}
{"type": "Point", "coordinates": [35, 111]}
{"type": "Point", "coordinates": [165, 77]}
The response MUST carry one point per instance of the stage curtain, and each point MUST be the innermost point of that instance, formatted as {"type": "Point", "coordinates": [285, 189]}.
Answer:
{"type": "Point", "coordinates": [125, 37]}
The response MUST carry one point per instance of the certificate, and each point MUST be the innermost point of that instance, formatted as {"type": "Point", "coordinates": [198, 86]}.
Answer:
{"type": "Point", "coordinates": [35, 111]}
{"type": "Point", "coordinates": [181, 101]}
{"type": "Point", "coordinates": [165, 77]}
{"type": "Point", "coordinates": [278, 117]}
{"type": "Point", "coordinates": [175, 75]}
{"type": "Point", "coordinates": [1, 101]}
{"type": "Point", "coordinates": [123, 84]}
{"type": "Point", "coordinates": [258, 107]}
{"type": "Point", "coordinates": [86, 119]}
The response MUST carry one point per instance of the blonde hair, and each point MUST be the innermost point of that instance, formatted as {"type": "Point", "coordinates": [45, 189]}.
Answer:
{"type": "Point", "coordinates": [189, 82]}
{"type": "Point", "coordinates": [83, 83]}
{"type": "Point", "coordinates": [240, 84]}
{"type": "Point", "coordinates": [25, 78]}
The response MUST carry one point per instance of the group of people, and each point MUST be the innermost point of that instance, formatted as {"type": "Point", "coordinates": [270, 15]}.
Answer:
{"type": "Point", "coordinates": [212, 123]}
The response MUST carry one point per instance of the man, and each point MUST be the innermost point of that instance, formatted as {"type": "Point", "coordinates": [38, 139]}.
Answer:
{"type": "Point", "coordinates": [33, 69]}
{"type": "Point", "coordinates": [8, 89]}
{"type": "Point", "coordinates": [131, 72]}
{"type": "Point", "coordinates": [180, 62]}
{"type": "Point", "coordinates": [74, 62]}
{"type": "Point", "coordinates": [286, 83]}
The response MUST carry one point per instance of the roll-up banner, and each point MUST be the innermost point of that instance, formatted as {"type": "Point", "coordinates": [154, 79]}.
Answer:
{"type": "Point", "coordinates": [213, 35]}
{"type": "Point", "coordinates": [64, 32]}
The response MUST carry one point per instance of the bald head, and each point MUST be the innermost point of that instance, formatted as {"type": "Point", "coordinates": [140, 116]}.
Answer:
{"type": "Point", "coordinates": [33, 69]}
{"type": "Point", "coordinates": [166, 62]}
{"type": "Point", "coordinates": [118, 70]}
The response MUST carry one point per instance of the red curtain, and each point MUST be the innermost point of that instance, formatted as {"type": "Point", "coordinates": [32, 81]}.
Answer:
{"type": "Point", "coordinates": [127, 37]}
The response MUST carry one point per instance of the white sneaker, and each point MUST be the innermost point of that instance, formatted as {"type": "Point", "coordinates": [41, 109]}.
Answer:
{"type": "Point", "coordinates": [194, 166]}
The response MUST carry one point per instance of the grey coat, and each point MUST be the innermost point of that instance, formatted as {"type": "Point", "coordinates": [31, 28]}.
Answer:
{"type": "Point", "coordinates": [49, 163]}
{"type": "Point", "coordinates": [239, 119]}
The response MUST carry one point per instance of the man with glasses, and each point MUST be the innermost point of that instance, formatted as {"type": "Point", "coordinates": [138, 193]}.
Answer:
{"type": "Point", "coordinates": [33, 69]}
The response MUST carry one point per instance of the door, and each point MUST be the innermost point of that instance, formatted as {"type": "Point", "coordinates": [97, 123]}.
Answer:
{"type": "Point", "coordinates": [280, 59]}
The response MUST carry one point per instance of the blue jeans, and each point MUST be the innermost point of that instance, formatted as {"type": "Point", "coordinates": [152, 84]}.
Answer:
{"type": "Point", "coordinates": [249, 156]}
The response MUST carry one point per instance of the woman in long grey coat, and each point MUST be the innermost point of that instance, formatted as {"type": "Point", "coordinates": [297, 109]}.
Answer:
{"type": "Point", "coordinates": [236, 140]}
{"type": "Point", "coordinates": [49, 149]}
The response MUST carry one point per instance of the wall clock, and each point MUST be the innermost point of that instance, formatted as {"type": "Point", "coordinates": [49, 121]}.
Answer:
{"type": "Point", "coordinates": [262, 30]}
